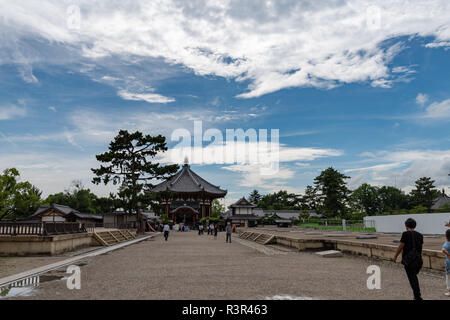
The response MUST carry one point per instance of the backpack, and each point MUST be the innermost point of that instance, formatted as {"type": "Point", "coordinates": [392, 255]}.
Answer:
{"type": "Point", "coordinates": [413, 258]}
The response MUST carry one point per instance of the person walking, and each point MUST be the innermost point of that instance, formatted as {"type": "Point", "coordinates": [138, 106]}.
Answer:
{"type": "Point", "coordinates": [446, 251]}
{"type": "Point", "coordinates": [211, 228]}
{"type": "Point", "coordinates": [228, 230]}
{"type": "Point", "coordinates": [411, 247]}
{"type": "Point", "coordinates": [166, 230]}
{"type": "Point", "coordinates": [216, 229]}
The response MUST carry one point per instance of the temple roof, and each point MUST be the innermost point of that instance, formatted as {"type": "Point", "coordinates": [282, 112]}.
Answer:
{"type": "Point", "coordinates": [440, 201]}
{"type": "Point", "coordinates": [65, 212]}
{"type": "Point", "coordinates": [242, 203]}
{"type": "Point", "coordinates": [188, 181]}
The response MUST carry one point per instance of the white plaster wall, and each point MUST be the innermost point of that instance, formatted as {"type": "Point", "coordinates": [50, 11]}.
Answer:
{"type": "Point", "coordinates": [427, 223]}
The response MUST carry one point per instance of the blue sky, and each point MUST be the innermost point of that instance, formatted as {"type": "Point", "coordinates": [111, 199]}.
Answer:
{"type": "Point", "coordinates": [370, 99]}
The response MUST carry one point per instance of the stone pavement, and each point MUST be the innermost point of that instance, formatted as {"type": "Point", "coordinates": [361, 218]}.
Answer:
{"type": "Point", "coordinates": [189, 266]}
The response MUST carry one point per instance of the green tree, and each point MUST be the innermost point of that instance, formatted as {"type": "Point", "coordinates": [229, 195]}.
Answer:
{"type": "Point", "coordinates": [217, 208]}
{"type": "Point", "coordinates": [281, 200]}
{"type": "Point", "coordinates": [105, 204]}
{"type": "Point", "coordinates": [332, 193]}
{"type": "Point", "coordinates": [77, 197]}
{"type": "Point", "coordinates": [128, 163]}
{"type": "Point", "coordinates": [254, 197]}
{"type": "Point", "coordinates": [310, 199]}
{"type": "Point", "coordinates": [366, 199]}
{"type": "Point", "coordinates": [17, 199]}
{"type": "Point", "coordinates": [392, 199]}
{"type": "Point", "coordinates": [424, 193]}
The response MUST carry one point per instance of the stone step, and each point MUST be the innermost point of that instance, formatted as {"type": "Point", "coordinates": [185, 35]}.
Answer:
{"type": "Point", "coordinates": [253, 236]}
{"type": "Point", "coordinates": [330, 254]}
{"type": "Point", "coordinates": [108, 238]}
{"type": "Point", "coordinates": [265, 239]}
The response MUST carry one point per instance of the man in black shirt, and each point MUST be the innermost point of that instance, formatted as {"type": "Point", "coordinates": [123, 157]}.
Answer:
{"type": "Point", "coordinates": [411, 245]}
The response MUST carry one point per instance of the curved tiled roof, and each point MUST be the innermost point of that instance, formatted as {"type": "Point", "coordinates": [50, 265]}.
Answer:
{"type": "Point", "coordinates": [242, 203]}
{"type": "Point", "coordinates": [188, 181]}
{"type": "Point", "coordinates": [441, 201]}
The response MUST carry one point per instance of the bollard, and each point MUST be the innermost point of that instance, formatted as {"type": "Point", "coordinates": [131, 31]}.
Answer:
{"type": "Point", "coordinates": [344, 226]}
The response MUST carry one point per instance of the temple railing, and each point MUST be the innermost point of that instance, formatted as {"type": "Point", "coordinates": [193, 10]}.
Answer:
{"type": "Point", "coordinates": [13, 228]}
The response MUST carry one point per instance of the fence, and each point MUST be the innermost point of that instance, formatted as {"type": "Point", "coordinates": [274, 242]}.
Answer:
{"type": "Point", "coordinates": [40, 228]}
{"type": "Point", "coordinates": [92, 226]}
{"type": "Point", "coordinates": [339, 224]}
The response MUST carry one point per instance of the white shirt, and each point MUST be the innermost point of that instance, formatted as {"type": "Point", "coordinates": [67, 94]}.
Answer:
{"type": "Point", "coordinates": [166, 227]}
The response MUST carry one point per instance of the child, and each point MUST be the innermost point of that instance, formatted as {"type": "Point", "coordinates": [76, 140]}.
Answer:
{"type": "Point", "coordinates": [446, 251]}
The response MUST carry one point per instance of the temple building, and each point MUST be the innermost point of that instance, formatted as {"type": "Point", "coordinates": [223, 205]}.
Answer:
{"type": "Point", "coordinates": [441, 202]}
{"type": "Point", "coordinates": [242, 213]}
{"type": "Point", "coordinates": [60, 213]}
{"type": "Point", "coordinates": [187, 197]}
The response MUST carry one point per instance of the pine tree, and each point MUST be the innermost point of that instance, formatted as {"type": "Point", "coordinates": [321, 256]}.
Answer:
{"type": "Point", "coordinates": [332, 193]}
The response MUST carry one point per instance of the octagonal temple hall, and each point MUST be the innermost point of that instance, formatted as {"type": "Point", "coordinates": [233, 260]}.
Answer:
{"type": "Point", "coordinates": [187, 197]}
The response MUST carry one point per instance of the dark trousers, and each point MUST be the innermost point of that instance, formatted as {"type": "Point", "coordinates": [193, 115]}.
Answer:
{"type": "Point", "coordinates": [228, 237]}
{"type": "Point", "coordinates": [414, 280]}
{"type": "Point", "coordinates": [166, 235]}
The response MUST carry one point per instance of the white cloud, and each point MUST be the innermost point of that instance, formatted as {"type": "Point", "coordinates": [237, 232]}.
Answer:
{"type": "Point", "coordinates": [378, 167]}
{"type": "Point", "coordinates": [403, 168]}
{"type": "Point", "coordinates": [53, 172]}
{"type": "Point", "coordinates": [251, 176]}
{"type": "Point", "coordinates": [439, 44]}
{"type": "Point", "coordinates": [149, 97]}
{"type": "Point", "coordinates": [421, 99]}
{"type": "Point", "coordinates": [286, 44]}
{"type": "Point", "coordinates": [367, 154]}
{"type": "Point", "coordinates": [11, 112]}
{"type": "Point", "coordinates": [438, 110]}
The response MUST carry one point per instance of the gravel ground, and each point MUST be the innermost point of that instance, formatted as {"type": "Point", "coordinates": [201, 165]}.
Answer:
{"type": "Point", "coordinates": [189, 266]}
{"type": "Point", "coordinates": [14, 265]}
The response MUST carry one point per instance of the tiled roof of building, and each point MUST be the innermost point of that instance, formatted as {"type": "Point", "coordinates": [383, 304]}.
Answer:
{"type": "Point", "coordinates": [440, 201]}
{"type": "Point", "coordinates": [284, 214]}
{"type": "Point", "coordinates": [188, 181]}
{"type": "Point", "coordinates": [243, 203]}
{"type": "Point", "coordinates": [65, 211]}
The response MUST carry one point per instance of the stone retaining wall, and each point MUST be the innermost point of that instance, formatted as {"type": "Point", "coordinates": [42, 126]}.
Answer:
{"type": "Point", "coordinates": [39, 245]}
{"type": "Point", "coordinates": [432, 259]}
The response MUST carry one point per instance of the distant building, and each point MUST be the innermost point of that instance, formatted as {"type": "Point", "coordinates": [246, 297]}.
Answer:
{"type": "Point", "coordinates": [186, 197]}
{"type": "Point", "coordinates": [60, 213]}
{"type": "Point", "coordinates": [441, 201]}
{"type": "Point", "coordinates": [120, 218]}
{"type": "Point", "coordinates": [245, 214]}
{"type": "Point", "coordinates": [242, 213]}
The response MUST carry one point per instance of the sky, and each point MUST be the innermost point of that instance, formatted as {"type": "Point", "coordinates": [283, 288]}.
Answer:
{"type": "Point", "coordinates": [361, 86]}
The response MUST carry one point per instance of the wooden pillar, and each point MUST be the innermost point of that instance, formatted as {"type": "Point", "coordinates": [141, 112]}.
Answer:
{"type": "Point", "coordinates": [203, 210]}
